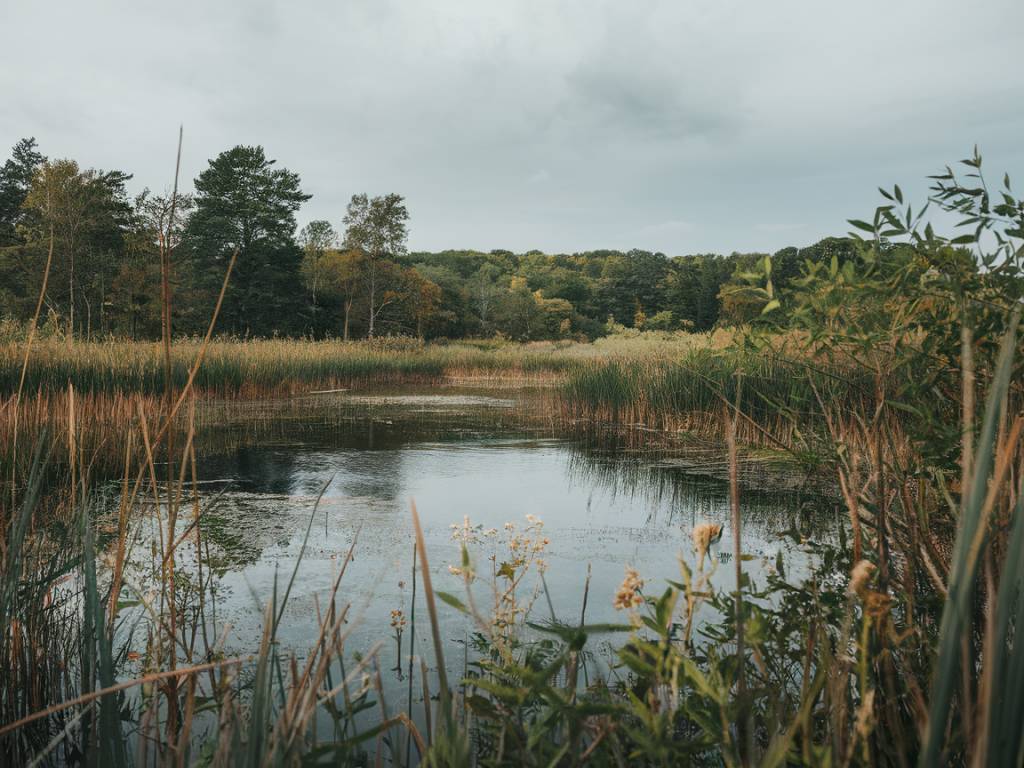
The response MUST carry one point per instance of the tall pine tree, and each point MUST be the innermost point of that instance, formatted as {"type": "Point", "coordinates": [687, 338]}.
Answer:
{"type": "Point", "coordinates": [15, 180]}
{"type": "Point", "coordinates": [244, 203]}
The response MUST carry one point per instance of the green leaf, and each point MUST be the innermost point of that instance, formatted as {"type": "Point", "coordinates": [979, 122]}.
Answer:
{"type": "Point", "coordinates": [965, 557]}
{"type": "Point", "coordinates": [904, 407]}
{"type": "Point", "coordinates": [508, 571]}
{"type": "Point", "coordinates": [453, 601]}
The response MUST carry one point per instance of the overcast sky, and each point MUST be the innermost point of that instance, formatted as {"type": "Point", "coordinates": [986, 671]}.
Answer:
{"type": "Point", "coordinates": [683, 126]}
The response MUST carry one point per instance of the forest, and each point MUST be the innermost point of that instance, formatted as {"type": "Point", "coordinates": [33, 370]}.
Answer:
{"type": "Point", "coordinates": [350, 278]}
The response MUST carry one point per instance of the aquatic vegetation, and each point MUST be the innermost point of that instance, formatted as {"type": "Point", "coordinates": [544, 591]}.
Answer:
{"type": "Point", "coordinates": [687, 393]}
{"type": "Point", "coordinates": [258, 368]}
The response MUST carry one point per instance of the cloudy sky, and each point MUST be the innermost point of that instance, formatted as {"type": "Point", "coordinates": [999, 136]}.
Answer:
{"type": "Point", "coordinates": [682, 126]}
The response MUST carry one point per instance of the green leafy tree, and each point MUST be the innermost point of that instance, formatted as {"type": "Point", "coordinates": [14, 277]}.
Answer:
{"type": "Point", "coordinates": [316, 239]}
{"type": "Point", "coordinates": [691, 288]}
{"type": "Point", "coordinates": [377, 228]}
{"type": "Point", "coordinates": [517, 314]}
{"type": "Point", "coordinates": [59, 200]}
{"type": "Point", "coordinates": [484, 292]}
{"type": "Point", "coordinates": [134, 295]}
{"type": "Point", "coordinates": [424, 300]}
{"type": "Point", "coordinates": [556, 317]}
{"type": "Point", "coordinates": [340, 273]}
{"type": "Point", "coordinates": [87, 213]}
{"type": "Point", "coordinates": [453, 317]}
{"type": "Point", "coordinates": [246, 204]}
{"type": "Point", "coordinates": [103, 248]}
{"type": "Point", "coordinates": [661, 321]}
{"type": "Point", "coordinates": [631, 280]}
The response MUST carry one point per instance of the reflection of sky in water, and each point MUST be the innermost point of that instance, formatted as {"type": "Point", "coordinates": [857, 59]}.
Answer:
{"type": "Point", "coordinates": [600, 507]}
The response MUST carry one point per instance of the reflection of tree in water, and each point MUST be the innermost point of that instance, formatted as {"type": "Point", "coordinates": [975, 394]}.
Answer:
{"type": "Point", "coordinates": [266, 470]}
{"type": "Point", "coordinates": [270, 477]}
{"type": "Point", "coordinates": [364, 447]}
{"type": "Point", "coordinates": [291, 456]}
{"type": "Point", "coordinates": [690, 486]}
{"type": "Point", "coordinates": [237, 529]}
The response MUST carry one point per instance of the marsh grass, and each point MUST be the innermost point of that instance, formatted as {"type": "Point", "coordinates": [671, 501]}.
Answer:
{"type": "Point", "coordinates": [268, 367]}
{"type": "Point", "coordinates": [113, 378]}
{"type": "Point", "coordinates": [686, 394]}
{"type": "Point", "coordinates": [265, 367]}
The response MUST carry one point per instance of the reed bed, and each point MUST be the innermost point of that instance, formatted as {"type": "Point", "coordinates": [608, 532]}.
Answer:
{"type": "Point", "coordinates": [268, 367]}
{"type": "Point", "coordinates": [673, 383]}
{"type": "Point", "coordinates": [263, 367]}
{"type": "Point", "coordinates": [113, 378]}
{"type": "Point", "coordinates": [688, 393]}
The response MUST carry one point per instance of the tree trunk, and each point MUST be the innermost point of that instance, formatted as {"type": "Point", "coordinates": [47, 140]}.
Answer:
{"type": "Point", "coordinates": [348, 309]}
{"type": "Point", "coordinates": [369, 334]}
{"type": "Point", "coordinates": [71, 300]}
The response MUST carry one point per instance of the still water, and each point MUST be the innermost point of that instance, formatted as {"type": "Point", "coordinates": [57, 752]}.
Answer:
{"type": "Point", "coordinates": [485, 457]}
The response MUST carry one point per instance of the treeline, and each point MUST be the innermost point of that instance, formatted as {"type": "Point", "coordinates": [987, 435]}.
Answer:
{"type": "Point", "coordinates": [353, 278]}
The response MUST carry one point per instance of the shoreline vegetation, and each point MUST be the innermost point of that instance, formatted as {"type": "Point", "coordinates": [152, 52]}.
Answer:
{"type": "Point", "coordinates": [895, 366]}
{"type": "Point", "coordinates": [269, 367]}
{"type": "Point", "coordinates": [666, 382]}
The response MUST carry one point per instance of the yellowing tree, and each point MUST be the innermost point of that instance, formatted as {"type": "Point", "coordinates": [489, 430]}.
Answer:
{"type": "Point", "coordinates": [339, 274]}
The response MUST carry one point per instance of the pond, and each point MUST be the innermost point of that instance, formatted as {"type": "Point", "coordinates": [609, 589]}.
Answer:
{"type": "Point", "coordinates": [487, 457]}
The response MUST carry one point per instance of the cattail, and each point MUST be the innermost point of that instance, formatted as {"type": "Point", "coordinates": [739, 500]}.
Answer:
{"type": "Point", "coordinates": [860, 576]}
{"type": "Point", "coordinates": [704, 535]}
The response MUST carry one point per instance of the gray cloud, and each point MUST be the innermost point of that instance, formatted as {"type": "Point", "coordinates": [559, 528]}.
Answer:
{"type": "Point", "coordinates": [680, 127]}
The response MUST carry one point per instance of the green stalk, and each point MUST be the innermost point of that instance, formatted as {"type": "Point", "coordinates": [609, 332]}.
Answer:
{"type": "Point", "coordinates": [961, 582]}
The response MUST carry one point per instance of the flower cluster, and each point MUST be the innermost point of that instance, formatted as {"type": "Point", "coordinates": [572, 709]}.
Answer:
{"type": "Point", "coordinates": [527, 545]}
{"type": "Point", "coordinates": [704, 535]}
{"type": "Point", "coordinates": [467, 533]}
{"type": "Point", "coordinates": [629, 595]}
{"type": "Point", "coordinates": [514, 552]}
{"type": "Point", "coordinates": [397, 619]}
{"type": "Point", "coordinates": [504, 616]}
{"type": "Point", "coordinates": [860, 578]}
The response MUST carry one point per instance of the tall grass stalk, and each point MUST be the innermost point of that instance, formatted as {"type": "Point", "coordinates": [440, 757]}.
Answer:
{"type": "Point", "coordinates": [967, 551]}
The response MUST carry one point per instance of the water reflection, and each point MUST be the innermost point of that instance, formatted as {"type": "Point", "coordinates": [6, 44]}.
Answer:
{"type": "Point", "coordinates": [694, 489]}
{"type": "Point", "coordinates": [604, 504]}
